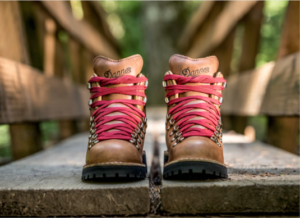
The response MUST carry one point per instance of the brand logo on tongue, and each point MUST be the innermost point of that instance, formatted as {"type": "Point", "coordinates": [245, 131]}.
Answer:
{"type": "Point", "coordinates": [186, 72]}
{"type": "Point", "coordinates": [109, 74]}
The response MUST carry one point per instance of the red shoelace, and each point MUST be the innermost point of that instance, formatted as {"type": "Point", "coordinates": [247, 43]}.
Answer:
{"type": "Point", "coordinates": [131, 117]}
{"type": "Point", "coordinates": [181, 113]}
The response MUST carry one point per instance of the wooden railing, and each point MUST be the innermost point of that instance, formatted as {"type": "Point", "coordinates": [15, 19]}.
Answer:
{"type": "Point", "coordinates": [45, 61]}
{"type": "Point", "coordinates": [272, 89]}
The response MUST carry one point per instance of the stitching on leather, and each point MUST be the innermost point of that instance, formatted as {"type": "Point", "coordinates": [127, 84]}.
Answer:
{"type": "Point", "coordinates": [191, 59]}
{"type": "Point", "coordinates": [112, 60]}
{"type": "Point", "coordinates": [114, 163]}
{"type": "Point", "coordinates": [175, 161]}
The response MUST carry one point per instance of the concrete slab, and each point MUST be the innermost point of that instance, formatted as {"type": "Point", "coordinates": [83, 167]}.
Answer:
{"type": "Point", "coordinates": [262, 179]}
{"type": "Point", "coordinates": [49, 184]}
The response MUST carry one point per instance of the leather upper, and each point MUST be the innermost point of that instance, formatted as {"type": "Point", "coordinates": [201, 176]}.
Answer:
{"type": "Point", "coordinates": [114, 150]}
{"type": "Point", "coordinates": [193, 147]}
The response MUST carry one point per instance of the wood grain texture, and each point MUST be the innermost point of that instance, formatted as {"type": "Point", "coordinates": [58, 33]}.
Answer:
{"type": "Point", "coordinates": [195, 23]}
{"type": "Point", "coordinates": [80, 30]}
{"type": "Point", "coordinates": [272, 89]}
{"type": "Point", "coordinates": [262, 179]}
{"type": "Point", "coordinates": [12, 40]}
{"type": "Point", "coordinates": [283, 131]}
{"type": "Point", "coordinates": [282, 92]}
{"type": "Point", "coordinates": [207, 40]}
{"type": "Point", "coordinates": [49, 184]}
{"type": "Point", "coordinates": [27, 95]}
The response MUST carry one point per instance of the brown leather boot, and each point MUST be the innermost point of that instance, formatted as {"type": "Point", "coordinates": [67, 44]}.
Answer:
{"type": "Point", "coordinates": [118, 120]}
{"type": "Point", "coordinates": [193, 124]}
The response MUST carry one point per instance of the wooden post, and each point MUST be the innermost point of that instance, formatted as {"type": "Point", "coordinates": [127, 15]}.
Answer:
{"type": "Point", "coordinates": [25, 138]}
{"type": "Point", "coordinates": [252, 24]}
{"type": "Point", "coordinates": [283, 131]}
{"type": "Point", "coordinates": [224, 54]}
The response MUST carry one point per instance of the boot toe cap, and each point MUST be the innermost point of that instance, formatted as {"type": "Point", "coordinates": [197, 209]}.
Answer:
{"type": "Point", "coordinates": [113, 152]}
{"type": "Point", "coordinates": [197, 148]}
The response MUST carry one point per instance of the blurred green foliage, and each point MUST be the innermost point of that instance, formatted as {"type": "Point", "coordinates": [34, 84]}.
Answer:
{"type": "Point", "coordinates": [4, 141]}
{"type": "Point", "coordinates": [126, 14]}
{"type": "Point", "coordinates": [274, 12]}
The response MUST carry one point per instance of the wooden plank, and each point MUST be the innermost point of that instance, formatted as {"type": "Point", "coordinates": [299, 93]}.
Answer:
{"type": "Point", "coordinates": [49, 184]}
{"type": "Point", "coordinates": [262, 179]}
{"type": "Point", "coordinates": [272, 89]}
{"type": "Point", "coordinates": [282, 92]}
{"type": "Point", "coordinates": [207, 40]}
{"type": "Point", "coordinates": [27, 95]}
{"type": "Point", "coordinates": [80, 30]}
{"type": "Point", "coordinates": [194, 24]}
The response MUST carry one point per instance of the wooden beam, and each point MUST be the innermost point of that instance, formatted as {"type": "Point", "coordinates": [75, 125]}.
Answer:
{"type": "Point", "coordinates": [252, 23]}
{"type": "Point", "coordinates": [25, 137]}
{"type": "Point", "coordinates": [207, 40]}
{"type": "Point", "coordinates": [194, 24]}
{"type": "Point", "coordinates": [92, 10]}
{"type": "Point", "coordinates": [272, 89]}
{"type": "Point", "coordinates": [28, 95]}
{"type": "Point", "coordinates": [80, 30]}
{"type": "Point", "coordinates": [283, 131]}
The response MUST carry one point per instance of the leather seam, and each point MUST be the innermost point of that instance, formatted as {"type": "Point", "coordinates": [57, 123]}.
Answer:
{"type": "Point", "coordinates": [210, 160]}
{"type": "Point", "coordinates": [113, 163]}
{"type": "Point", "coordinates": [112, 60]}
{"type": "Point", "coordinates": [191, 59]}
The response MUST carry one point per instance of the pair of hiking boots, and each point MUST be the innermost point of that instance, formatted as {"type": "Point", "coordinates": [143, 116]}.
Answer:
{"type": "Point", "coordinates": [118, 122]}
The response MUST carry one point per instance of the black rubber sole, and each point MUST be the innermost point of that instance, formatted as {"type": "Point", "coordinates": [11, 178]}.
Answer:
{"type": "Point", "coordinates": [115, 172]}
{"type": "Point", "coordinates": [194, 170]}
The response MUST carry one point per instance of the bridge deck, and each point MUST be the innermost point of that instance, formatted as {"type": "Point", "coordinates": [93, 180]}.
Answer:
{"type": "Point", "coordinates": [261, 179]}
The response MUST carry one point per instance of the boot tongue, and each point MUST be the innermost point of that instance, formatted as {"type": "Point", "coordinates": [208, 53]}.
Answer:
{"type": "Point", "coordinates": [182, 65]}
{"type": "Point", "coordinates": [105, 67]}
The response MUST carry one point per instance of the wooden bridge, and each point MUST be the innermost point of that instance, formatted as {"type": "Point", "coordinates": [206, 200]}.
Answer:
{"type": "Point", "coordinates": [44, 67]}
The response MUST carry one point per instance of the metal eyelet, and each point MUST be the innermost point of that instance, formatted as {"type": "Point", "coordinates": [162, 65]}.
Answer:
{"type": "Point", "coordinates": [167, 100]}
{"type": "Point", "coordinates": [145, 119]}
{"type": "Point", "coordinates": [221, 100]}
{"type": "Point", "coordinates": [171, 133]}
{"type": "Point", "coordinates": [168, 116]}
{"type": "Point", "coordinates": [137, 130]}
{"type": "Point", "coordinates": [180, 139]}
{"type": "Point", "coordinates": [137, 147]}
{"type": "Point", "coordinates": [225, 84]}
{"type": "Point", "coordinates": [146, 83]}
{"type": "Point", "coordinates": [90, 102]}
{"type": "Point", "coordinates": [175, 144]}
{"type": "Point", "coordinates": [168, 127]}
{"type": "Point", "coordinates": [164, 83]}
{"type": "Point", "coordinates": [89, 85]}
{"type": "Point", "coordinates": [145, 100]}
{"type": "Point", "coordinates": [133, 135]}
{"type": "Point", "coordinates": [144, 131]}
{"type": "Point", "coordinates": [172, 122]}
{"type": "Point", "coordinates": [178, 134]}
{"type": "Point", "coordinates": [133, 141]}
{"type": "Point", "coordinates": [142, 136]}
{"type": "Point", "coordinates": [176, 127]}
{"type": "Point", "coordinates": [173, 139]}
{"type": "Point", "coordinates": [139, 141]}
